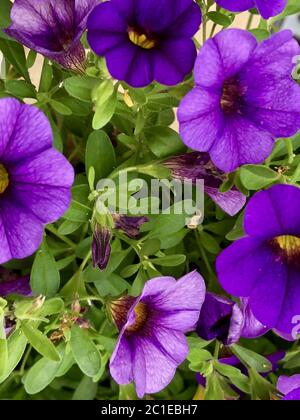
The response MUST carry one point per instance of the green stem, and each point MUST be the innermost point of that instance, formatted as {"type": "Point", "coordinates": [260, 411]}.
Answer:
{"type": "Point", "coordinates": [24, 361]}
{"type": "Point", "coordinates": [217, 350]}
{"type": "Point", "coordinates": [249, 23]}
{"type": "Point", "coordinates": [203, 254]}
{"type": "Point", "coordinates": [290, 149]}
{"type": "Point", "coordinates": [55, 232]}
{"type": "Point", "coordinates": [213, 30]}
{"type": "Point", "coordinates": [85, 261]}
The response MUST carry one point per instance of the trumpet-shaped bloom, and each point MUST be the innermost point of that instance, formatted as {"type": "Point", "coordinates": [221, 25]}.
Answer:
{"type": "Point", "coordinates": [244, 98]}
{"type": "Point", "coordinates": [35, 179]}
{"type": "Point", "coordinates": [146, 40]}
{"type": "Point", "coordinates": [53, 28]}
{"type": "Point", "coordinates": [152, 343]}
{"type": "Point", "coordinates": [264, 266]}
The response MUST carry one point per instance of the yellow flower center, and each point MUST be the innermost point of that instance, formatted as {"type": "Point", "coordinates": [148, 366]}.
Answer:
{"type": "Point", "coordinates": [141, 40]}
{"type": "Point", "coordinates": [141, 315]}
{"type": "Point", "coordinates": [289, 245]}
{"type": "Point", "coordinates": [4, 179]}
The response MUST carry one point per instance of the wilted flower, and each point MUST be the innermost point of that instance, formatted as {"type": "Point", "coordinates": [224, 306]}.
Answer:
{"type": "Point", "coordinates": [101, 247]}
{"type": "Point", "coordinates": [53, 28]}
{"type": "Point", "coordinates": [152, 343]}
{"type": "Point", "coordinates": [225, 320]}
{"type": "Point", "coordinates": [244, 98]}
{"type": "Point", "coordinates": [191, 167]}
{"type": "Point", "coordinates": [289, 387]}
{"type": "Point", "coordinates": [35, 179]}
{"type": "Point", "coordinates": [267, 8]}
{"type": "Point", "coordinates": [152, 39]}
{"type": "Point", "coordinates": [129, 225]}
{"type": "Point", "coordinates": [264, 266]}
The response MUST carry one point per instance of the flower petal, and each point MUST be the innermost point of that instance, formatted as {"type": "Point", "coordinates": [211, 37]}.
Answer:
{"type": "Point", "coordinates": [274, 212]}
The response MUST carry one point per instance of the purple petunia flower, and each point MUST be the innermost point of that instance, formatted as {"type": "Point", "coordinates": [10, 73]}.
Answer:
{"type": "Point", "coordinates": [194, 166]}
{"type": "Point", "coordinates": [267, 8]}
{"type": "Point", "coordinates": [264, 266]}
{"type": "Point", "coordinates": [152, 343]}
{"type": "Point", "coordinates": [244, 98]}
{"type": "Point", "coordinates": [225, 320]}
{"type": "Point", "coordinates": [35, 179]}
{"type": "Point", "coordinates": [53, 28]}
{"type": "Point", "coordinates": [150, 38]}
{"type": "Point", "coordinates": [289, 387]}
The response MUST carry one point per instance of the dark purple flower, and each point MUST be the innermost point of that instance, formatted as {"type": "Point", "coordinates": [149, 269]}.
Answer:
{"type": "Point", "coordinates": [53, 28]}
{"type": "Point", "coordinates": [19, 286]}
{"type": "Point", "coordinates": [35, 179]}
{"type": "Point", "coordinates": [101, 247]}
{"type": "Point", "coordinates": [220, 318]}
{"type": "Point", "coordinates": [129, 225]}
{"type": "Point", "coordinates": [244, 98]}
{"type": "Point", "coordinates": [289, 387]}
{"type": "Point", "coordinates": [195, 166]}
{"type": "Point", "coordinates": [152, 343]}
{"type": "Point", "coordinates": [252, 328]}
{"type": "Point", "coordinates": [146, 40]}
{"type": "Point", "coordinates": [264, 266]}
{"type": "Point", "coordinates": [267, 8]}
{"type": "Point", "coordinates": [227, 321]}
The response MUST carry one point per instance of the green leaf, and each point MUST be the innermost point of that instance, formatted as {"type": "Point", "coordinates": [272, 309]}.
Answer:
{"type": "Point", "coordinates": [169, 260]}
{"type": "Point", "coordinates": [45, 277]}
{"type": "Point", "coordinates": [219, 19]}
{"type": "Point", "coordinates": [80, 210]}
{"type": "Point", "coordinates": [15, 54]}
{"type": "Point", "coordinates": [261, 389]}
{"type": "Point", "coordinates": [16, 345]}
{"type": "Point", "coordinates": [163, 141]}
{"type": "Point", "coordinates": [100, 155]}
{"type": "Point", "coordinates": [46, 76]}
{"type": "Point", "coordinates": [85, 352]}
{"type": "Point", "coordinates": [40, 342]}
{"type": "Point", "coordinates": [3, 356]}
{"type": "Point", "coordinates": [252, 359]}
{"type": "Point", "coordinates": [104, 111]}
{"type": "Point", "coordinates": [81, 87]}
{"type": "Point", "coordinates": [235, 375]}
{"type": "Point", "coordinates": [5, 7]}
{"type": "Point", "coordinates": [20, 88]}
{"type": "Point", "coordinates": [42, 373]}
{"type": "Point", "coordinates": [86, 390]}
{"type": "Point", "coordinates": [255, 177]}
{"type": "Point", "coordinates": [209, 243]}
{"type": "Point", "coordinates": [60, 108]}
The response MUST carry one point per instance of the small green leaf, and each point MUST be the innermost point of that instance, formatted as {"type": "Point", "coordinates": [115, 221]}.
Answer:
{"type": "Point", "coordinates": [104, 111]}
{"type": "Point", "coordinates": [16, 345]}
{"type": "Point", "coordinates": [251, 359]}
{"type": "Point", "coordinates": [3, 356]}
{"type": "Point", "coordinates": [40, 342]}
{"type": "Point", "coordinates": [81, 87]}
{"type": "Point", "coordinates": [255, 177]}
{"type": "Point", "coordinates": [100, 155]}
{"type": "Point", "coordinates": [45, 277]}
{"type": "Point", "coordinates": [163, 141]}
{"type": "Point", "coordinates": [85, 352]}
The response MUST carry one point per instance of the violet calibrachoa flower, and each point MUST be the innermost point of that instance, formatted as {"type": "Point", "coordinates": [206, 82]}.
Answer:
{"type": "Point", "coordinates": [152, 344]}
{"type": "Point", "coordinates": [227, 321]}
{"type": "Point", "coordinates": [264, 266]}
{"type": "Point", "coordinates": [289, 387]}
{"type": "Point", "coordinates": [145, 40]}
{"type": "Point", "coordinates": [244, 98]}
{"type": "Point", "coordinates": [53, 28]}
{"type": "Point", "coordinates": [35, 179]}
{"type": "Point", "coordinates": [267, 8]}
{"type": "Point", "coordinates": [195, 166]}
